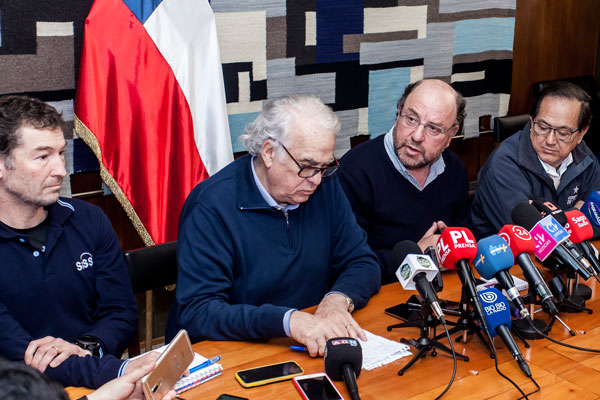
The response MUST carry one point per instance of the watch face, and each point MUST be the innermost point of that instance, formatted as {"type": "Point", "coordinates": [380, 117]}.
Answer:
{"type": "Point", "coordinates": [88, 343]}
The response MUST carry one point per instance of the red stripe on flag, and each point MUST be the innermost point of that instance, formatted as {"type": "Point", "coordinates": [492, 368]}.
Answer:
{"type": "Point", "coordinates": [129, 99]}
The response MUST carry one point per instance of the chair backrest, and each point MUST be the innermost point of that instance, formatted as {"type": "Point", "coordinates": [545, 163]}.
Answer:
{"type": "Point", "coordinates": [506, 126]}
{"type": "Point", "coordinates": [152, 267]}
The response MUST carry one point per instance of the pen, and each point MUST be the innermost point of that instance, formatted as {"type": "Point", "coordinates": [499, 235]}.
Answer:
{"type": "Point", "coordinates": [205, 364]}
{"type": "Point", "coordinates": [298, 348]}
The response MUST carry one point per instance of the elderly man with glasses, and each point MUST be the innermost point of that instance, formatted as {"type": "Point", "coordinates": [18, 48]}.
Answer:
{"type": "Point", "coordinates": [406, 184]}
{"type": "Point", "coordinates": [547, 159]}
{"type": "Point", "coordinates": [272, 233]}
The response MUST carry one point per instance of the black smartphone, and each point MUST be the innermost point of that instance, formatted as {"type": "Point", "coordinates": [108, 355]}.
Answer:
{"type": "Point", "coordinates": [405, 312]}
{"type": "Point", "coordinates": [230, 397]}
{"type": "Point", "coordinates": [268, 374]}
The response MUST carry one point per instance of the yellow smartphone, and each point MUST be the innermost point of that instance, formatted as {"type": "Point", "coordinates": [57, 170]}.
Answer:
{"type": "Point", "coordinates": [268, 374]}
{"type": "Point", "coordinates": [171, 364]}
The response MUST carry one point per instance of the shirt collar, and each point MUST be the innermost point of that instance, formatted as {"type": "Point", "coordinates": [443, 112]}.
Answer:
{"type": "Point", "coordinates": [266, 195]}
{"type": "Point", "coordinates": [554, 173]}
{"type": "Point", "coordinates": [435, 170]}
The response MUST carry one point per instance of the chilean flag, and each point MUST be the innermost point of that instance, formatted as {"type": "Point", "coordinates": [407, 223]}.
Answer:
{"type": "Point", "coordinates": [151, 105]}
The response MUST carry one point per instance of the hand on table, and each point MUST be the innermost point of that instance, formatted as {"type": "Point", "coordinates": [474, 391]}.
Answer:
{"type": "Point", "coordinates": [51, 351]}
{"type": "Point", "coordinates": [331, 319]}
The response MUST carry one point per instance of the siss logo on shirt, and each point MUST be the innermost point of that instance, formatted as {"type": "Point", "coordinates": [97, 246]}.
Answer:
{"type": "Point", "coordinates": [85, 260]}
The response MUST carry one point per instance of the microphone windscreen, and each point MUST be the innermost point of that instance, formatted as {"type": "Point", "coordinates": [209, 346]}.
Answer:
{"type": "Point", "coordinates": [591, 208]}
{"type": "Point", "coordinates": [456, 244]}
{"type": "Point", "coordinates": [402, 249]}
{"type": "Point", "coordinates": [526, 215]}
{"type": "Point", "coordinates": [495, 308]}
{"type": "Point", "coordinates": [546, 207]}
{"type": "Point", "coordinates": [581, 229]}
{"type": "Point", "coordinates": [493, 255]}
{"type": "Point", "coordinates": [340, 351]}
{"type": "Point", "coordinates": [518, 238]}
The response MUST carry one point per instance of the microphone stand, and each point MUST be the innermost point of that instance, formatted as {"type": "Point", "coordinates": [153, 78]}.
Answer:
{"type": "Point", "coordinates": [572, 302]}
{"type": "Point", "coordinates": [424, 344]}
{"type": "Point", "coordinates": [523, 329]}
{"type": "Point", "coordinates": [466, 323]}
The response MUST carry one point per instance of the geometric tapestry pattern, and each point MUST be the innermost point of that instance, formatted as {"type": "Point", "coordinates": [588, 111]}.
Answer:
{"type": "Point", "coordinates": [355, 55]}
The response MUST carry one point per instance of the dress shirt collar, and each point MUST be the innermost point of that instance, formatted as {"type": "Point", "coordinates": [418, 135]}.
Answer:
{"type": "Point", "coordinates": [435, 170]}
{"type": "Point", "coordinates": [266, 195]}
{"type": "Point", "coordinates": [554, 173]}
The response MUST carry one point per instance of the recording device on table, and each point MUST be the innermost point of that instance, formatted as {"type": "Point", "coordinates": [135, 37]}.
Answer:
{"type": "Point", "coordinates": [316, 387]}
{"type": "Point", "coordinates": [343, 361]}
{"type": "Point", "coordinates": [230, 397]}
{"type": "Point", "coordinates": [171, 364]}
{"type": "Point", "coordinates": [268, 374]}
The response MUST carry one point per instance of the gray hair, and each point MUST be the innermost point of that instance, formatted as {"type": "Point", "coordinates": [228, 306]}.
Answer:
{"type": "Point", "coordinates": [275, 121]}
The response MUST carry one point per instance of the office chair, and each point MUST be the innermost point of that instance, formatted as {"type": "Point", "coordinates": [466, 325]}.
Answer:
{"type": "Point", "coordinates": [507, 125]}
{"type": "Point", "coordinates": [150, 268]}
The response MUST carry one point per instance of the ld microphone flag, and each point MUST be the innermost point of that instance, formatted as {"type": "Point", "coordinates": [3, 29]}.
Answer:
{"type": "Point", "coordinates": [150, 103]}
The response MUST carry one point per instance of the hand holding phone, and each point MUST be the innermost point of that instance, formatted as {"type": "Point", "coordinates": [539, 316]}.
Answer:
{"type": "Point", "coordinates": [317, 387]}
{"type": "Point", "coordinates": [171, 364]}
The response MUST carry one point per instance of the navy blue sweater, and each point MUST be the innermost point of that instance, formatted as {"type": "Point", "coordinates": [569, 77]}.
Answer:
{"type": "Point", "coordinates": [390, 209]}
{"type": "Point", "coordinates": [78, 286]}
{"type": "Point", "coordinates": [243, 264]}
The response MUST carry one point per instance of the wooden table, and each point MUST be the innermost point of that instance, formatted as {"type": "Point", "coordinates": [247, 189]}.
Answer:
{"type": "Point", "coordinates": [561, 372]}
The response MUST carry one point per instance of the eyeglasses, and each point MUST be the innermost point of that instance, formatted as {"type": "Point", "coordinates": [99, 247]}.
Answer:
{"type": "Point", "coordinates": [414, 122]}
{"type": "Point", "coordinates": [308, 171]}
{"type": "Point", "coordinates": [562, 134]}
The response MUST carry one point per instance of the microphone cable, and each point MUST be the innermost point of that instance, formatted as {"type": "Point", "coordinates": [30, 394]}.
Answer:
{"type": "Point", "coordinates": [535, 391]}
{"type": "Point", "coordinates": [558, 341]}
{"type": "Point", "coordinates": [523, 395]}
{"type": "Point", "coordinates": [443, 320]}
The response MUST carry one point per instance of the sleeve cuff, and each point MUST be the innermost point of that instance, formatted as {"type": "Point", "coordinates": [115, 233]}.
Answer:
{"type": "Point", "coordinates": [286, 321]}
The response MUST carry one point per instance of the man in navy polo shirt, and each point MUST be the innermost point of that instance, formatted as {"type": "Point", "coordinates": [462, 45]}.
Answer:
{"type": "Point", "coordinates": [66, 305]}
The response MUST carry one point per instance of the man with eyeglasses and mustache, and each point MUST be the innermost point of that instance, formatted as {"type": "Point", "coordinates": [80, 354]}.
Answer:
{"type": "Point", "coordinates": [406, 184]}
{"type": "Point", "coordinates": [272, 233]}
{"type": "Point", "coordinates": [547, 159]}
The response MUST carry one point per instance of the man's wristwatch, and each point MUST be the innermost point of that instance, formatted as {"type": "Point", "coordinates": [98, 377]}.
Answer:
{"type": "Point", "coordinates": [350, 303]}
{"type": "Point", "coordinates": [89, 343]}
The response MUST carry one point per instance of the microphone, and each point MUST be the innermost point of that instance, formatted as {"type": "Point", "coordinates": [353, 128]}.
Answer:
{"type": "Point", "coordinates": [415, 272]}
{"type": "Point", "coordinates": [494, 259]}
{"type": "Point", "coordinates": [497, 315]}
{"type": "Point", "coordinates": [546, 207]}
{"type": "Point", "coordinates": [456, 249]}
{"type": "Point", "coordinates": [522, 245]}
{"type": "Point", "coordinates": [581, 231]}
{"type": "Point", "coordinates": [343, 361]}
{"type": "Point", "coordinates": [591, 208]}
{"type": "Point", "coordinates": [548, 236]}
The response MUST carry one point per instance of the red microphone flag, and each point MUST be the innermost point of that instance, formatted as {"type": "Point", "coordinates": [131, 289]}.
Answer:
{"type": "Point", "coordinates": [579, 226]}
{"type": "Point", "coordinates": [518, 238]}
{"type": "Point", "coordinates": [456, 244]}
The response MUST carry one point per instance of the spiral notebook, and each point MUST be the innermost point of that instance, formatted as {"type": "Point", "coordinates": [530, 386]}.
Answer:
{"type": "Point", "coordinates": [196, 378]}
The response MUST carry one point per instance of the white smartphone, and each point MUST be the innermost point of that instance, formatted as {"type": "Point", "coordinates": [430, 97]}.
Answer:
{"type": "Point", "coordinates": [171, 364]}
{"type": "Point", "coordinates": [317, 387]}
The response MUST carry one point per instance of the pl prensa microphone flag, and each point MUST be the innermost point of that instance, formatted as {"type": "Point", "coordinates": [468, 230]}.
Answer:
{"type": "Point", "coordinates": [151, 105]}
